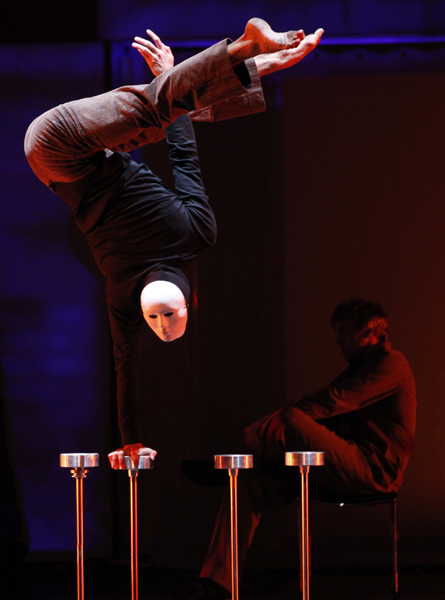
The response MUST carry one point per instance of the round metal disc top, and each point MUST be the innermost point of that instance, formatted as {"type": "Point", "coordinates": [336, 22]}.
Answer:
{"type": "Point", "coordinates": [79, 460]}
{"type": "Point", "coordinates": [301, 459]}
{"type": "Point", "coordinates": [145, 462]}
{"type": "Point", "coordinates": [233, 461]}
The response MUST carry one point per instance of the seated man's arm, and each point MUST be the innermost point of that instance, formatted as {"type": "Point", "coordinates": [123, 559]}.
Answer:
{"type": "Point", "coordinates": [382, 376]}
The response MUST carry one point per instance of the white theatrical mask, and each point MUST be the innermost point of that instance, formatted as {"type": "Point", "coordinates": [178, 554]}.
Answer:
{"type": "Point", "coordinates": [165, 309]}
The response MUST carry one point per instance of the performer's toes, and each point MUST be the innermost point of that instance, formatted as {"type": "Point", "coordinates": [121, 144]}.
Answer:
{"type": "Point", "coordinates": [259, 32]}
{"type": "Point", "coordinates": [297, 39]}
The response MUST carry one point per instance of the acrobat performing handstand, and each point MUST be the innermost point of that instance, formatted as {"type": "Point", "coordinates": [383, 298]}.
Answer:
{"type": "Point", "coordinates": [141, 233]}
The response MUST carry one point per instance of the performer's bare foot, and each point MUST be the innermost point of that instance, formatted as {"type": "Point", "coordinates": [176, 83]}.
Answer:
{"type": "Point", "coordinates": [269, 63]}
{"type": "Point", "coordinates": [259, 38]}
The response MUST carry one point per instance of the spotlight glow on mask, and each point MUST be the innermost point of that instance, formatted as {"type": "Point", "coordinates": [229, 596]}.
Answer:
{"type": "Point", "coordinates": [165, 309]}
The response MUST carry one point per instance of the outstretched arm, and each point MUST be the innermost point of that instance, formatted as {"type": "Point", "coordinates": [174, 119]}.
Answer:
{"type": "Point", "coordinates": [269, 63]}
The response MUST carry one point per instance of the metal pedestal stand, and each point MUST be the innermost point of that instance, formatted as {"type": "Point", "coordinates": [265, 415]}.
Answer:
{"type": "Point", "coordinates": [233, 462]}
{"type": "Point", "coordinates": [145, 462]}
{"type": "Point", "coordinates": [78, 463]}
{"type": "Point", "coordinates": [304, 460]}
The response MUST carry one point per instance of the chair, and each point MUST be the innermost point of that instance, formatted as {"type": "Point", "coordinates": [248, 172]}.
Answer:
{"type": "Point", "coordinates": [371, 500]}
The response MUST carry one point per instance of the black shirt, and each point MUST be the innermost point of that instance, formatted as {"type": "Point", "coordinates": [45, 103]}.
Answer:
{"type": "Point", "coordinates": [140, 231]}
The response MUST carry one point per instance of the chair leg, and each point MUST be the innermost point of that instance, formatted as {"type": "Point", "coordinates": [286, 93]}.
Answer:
{"type": "Point", "coordinates": [395, 544]}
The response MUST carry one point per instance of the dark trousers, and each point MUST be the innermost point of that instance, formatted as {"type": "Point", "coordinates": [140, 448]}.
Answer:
{"type": "Point", "coordinates": [272, 484]}
{"type": "Point", "coordinates": [60, 143]}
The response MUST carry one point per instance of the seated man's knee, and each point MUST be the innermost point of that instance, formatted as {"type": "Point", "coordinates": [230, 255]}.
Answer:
{"type": "Point", "coordinates": [294, 421]}
{"type": "Point", "coordinates": [291, 416]}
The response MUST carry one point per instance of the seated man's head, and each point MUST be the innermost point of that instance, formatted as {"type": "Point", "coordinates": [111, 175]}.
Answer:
{"type": "Point", "coordinates": [359, 324]}
{"type": "Point", "coordinates": [165, 309]}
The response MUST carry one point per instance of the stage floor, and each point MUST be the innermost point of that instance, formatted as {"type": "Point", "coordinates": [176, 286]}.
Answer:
{"type": "Point", "coordinates": [107, 580]}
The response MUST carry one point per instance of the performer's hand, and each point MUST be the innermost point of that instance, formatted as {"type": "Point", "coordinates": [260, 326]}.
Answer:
{"type": "Point", "coordinates": [158, 56]}
{"type": "Point", "coordinates": [269, 63]}
{"type": "Point", "coordinates": [117, 458]}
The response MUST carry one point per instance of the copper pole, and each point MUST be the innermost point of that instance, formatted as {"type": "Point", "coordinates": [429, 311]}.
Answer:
{"type": "Point", "coordinates": [77, 463]}
{"type": "Point", "coordinates": [233, 473]}
{"type": "Point", "coordinates": [304, 470]}
{"type": "Point", "coordinates": [145, 462]}
{"type": "Point", "coordinates": [79, 474]}
{"type": "Point", "coordinates": [304, 460]}
{"type": "Point", "coordinates": [233, 462]}
{"type": "Point", "coordinates": [133, 474]}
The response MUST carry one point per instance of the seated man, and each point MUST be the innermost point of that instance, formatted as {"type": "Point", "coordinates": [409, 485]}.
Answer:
{"type": "Point", "coordinates": [364, 422]}
{"type": "Point", "coordinates": [143, 235]}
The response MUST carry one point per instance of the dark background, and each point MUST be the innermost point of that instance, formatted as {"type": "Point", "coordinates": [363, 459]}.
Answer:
{"type": "Point", "coordinates": [336, 191]}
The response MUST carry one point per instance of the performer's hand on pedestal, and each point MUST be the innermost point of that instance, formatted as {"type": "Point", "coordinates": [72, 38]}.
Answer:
{"type": "Point", "coordinates": [117, 458]}
{"type": "Point", "coordinates": [158, 56]}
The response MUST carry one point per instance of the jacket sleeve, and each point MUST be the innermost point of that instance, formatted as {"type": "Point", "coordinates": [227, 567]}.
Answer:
{"type": "Point", "coordinates": [249, 103]}
{"type": "Point", "coordinates": [381, 376]}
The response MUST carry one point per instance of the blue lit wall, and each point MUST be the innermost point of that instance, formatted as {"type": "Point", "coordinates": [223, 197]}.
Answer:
{"type": "Point", "coordinates": [218, 19]}
{"type": "Point", "coordinates": [52, 335]}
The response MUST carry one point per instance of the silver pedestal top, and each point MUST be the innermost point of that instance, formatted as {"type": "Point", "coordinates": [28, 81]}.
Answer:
{"type": "Point", "coordinates": [145, 462]}
{"type": "Point", "coordinates": [301, 459]}
{"type": "Point", "coordinates": [79, 460]}
{"type": "Point", "coordinates": [233, 461]}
